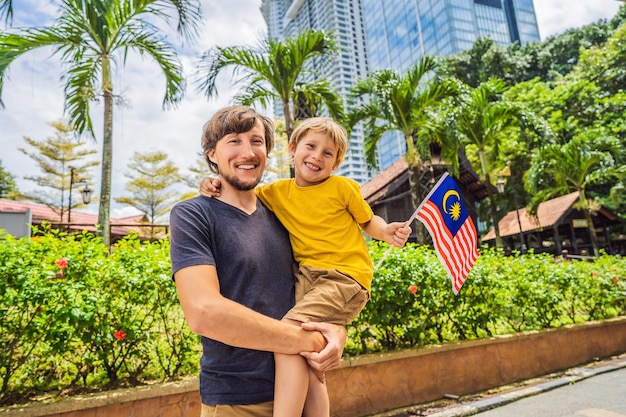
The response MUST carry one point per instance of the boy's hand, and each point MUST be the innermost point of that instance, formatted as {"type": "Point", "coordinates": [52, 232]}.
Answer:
{"type": "Point", "coordinates": [398, 234]}
{"type": "Point", "coordinates": [210, 187]}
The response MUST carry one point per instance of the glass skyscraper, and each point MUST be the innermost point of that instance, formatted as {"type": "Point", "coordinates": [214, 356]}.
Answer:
{"type": "Point", "coordinates": [376, 34]}
{"type": "Point", "coordinates": [400, 32]}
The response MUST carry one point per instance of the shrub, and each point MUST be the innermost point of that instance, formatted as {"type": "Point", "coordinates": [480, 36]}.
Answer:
{"type": "Point", "coordinates": [78, 317]}
{"type": "Point", "coordinates": [413, 304]}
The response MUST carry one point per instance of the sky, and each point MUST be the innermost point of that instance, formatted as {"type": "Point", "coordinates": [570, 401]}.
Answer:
{"type": "Point", "coordinates": [32, 90]}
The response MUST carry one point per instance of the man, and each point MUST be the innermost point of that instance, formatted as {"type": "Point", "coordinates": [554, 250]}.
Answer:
{"type": "Point", "coordinates": [232, 264]}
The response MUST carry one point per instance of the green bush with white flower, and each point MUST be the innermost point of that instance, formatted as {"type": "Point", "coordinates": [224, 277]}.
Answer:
{"type": "Point", "coordinates": [77, 318]}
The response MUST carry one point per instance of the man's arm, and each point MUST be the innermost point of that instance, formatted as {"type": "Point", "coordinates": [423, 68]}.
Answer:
{"type": "Point", "coordinates": [210, 314]}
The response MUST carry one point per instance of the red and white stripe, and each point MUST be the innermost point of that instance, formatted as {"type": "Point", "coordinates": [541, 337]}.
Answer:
{"type": "Point", "coordinates": [457, 253]}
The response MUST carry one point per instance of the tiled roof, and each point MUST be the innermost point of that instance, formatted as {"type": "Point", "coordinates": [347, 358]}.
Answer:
{"type": "Point", "coordinates": [377, 187]}
{"type": "Point", "coordinates": [549, 213]}
{"type": "Point", "coordinates": [80, 220]}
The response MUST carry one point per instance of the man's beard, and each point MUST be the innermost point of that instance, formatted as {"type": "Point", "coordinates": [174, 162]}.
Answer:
{"type": "Point", "coordinates": [239, 185]}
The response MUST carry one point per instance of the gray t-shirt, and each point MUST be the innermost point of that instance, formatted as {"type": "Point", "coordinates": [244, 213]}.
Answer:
{"type": "Point", "coordinates": [254, 265]}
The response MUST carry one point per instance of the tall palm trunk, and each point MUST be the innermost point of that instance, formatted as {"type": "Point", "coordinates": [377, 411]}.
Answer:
{"type": "Point", "coordinates": [104, 228]}
{"type": "Point", "coordinates": [418, 188]}
{"type": "Point", "coordinates": [492, 201]}
{"type": "Point", "coordinates": [586, 208]}
{"type": "Point", "coordinates": [493, 209]}
{"type": "Point", "coordinates": [592, 233]}
{"type": "Point", "coordinates": [289, 130]}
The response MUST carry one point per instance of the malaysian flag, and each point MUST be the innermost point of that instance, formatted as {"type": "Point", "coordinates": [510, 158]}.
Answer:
{"type": "Point", "coordinates": [451, 229]}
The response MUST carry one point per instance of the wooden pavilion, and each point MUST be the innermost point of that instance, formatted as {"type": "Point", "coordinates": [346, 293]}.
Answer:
{"type": "Point", "coordinates": [558, 227]}
{"type": "Point", "coordinates": [389, 192]}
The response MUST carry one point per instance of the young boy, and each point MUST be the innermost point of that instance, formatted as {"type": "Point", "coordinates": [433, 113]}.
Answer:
{"type": "Point", "coordinates": [324, 215]}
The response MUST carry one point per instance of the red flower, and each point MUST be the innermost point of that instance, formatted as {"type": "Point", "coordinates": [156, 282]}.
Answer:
{"type": "Point", "coordinates": [61, 263]}
{"type": "Point", "coordinates": [413, 289]}
{"type": "Point", "coordinates": [119, 335]}
{"type": "Point", "coordinates": [615, 279]}
{"type": "Point", "coordinates": [595, 274]}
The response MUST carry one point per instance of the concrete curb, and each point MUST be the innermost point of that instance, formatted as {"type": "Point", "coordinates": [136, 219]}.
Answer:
{"type": "Point", "coordinates": [576, 374]}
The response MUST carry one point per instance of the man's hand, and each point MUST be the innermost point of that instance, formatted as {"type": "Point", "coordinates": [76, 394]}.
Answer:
{"type": "Point", "coordinates": [210, 187]}
{"type": "Point", "coordinates": [330, 356]}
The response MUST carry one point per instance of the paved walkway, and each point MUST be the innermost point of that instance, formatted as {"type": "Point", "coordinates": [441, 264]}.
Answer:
{"type": "Point", "coordinates": [604, 395]}
{"type": "Point", "coordinates": [594, 390]}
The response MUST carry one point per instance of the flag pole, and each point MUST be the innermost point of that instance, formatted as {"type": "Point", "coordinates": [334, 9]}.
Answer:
{"type": "Point", "coordinates": [408, 222]}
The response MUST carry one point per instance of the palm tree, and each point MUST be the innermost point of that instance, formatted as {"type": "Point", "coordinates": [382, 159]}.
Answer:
{"type": "Point", "coordinates": [91, 36]}
{"type": "Point", "coordinates": [188, 12]}
{"type": "Point", "coordinates": [6, 10]}
{"type": "Point", "coordinates": [389, 101]}
{"type": "Point", "coordinates": [484, 120]}
{"type": "Point", "coordinates": [588, 160]}
{"type": "Point", "coordinates": [276, 70]}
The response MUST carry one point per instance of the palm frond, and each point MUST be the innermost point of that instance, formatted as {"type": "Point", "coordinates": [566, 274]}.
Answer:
{"type": "Point", "coordinates": [255, 93]}
{"type": "Point", "coordinates": [80, 90]}
{"type": "Point", "coordinates": [189, 14]}
{"type": "Point", "coordinates": [6, 10]}
{"type": "Point", "coordinates": [14, 45]}
{"type": "Point", "coordinates": [321, 91]}
{"type": "Point", "coordinates": [147, 43]}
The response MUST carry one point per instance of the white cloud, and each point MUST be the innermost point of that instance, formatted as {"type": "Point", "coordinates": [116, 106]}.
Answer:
{"type": "Point", "coordinates": [33, 92]}
{"type": "Point", "coordinates": [556, 16]}
{"type": "Point", "coordinates": [122, 212]}
{"type": "Point", "coordinates": [33, 96]}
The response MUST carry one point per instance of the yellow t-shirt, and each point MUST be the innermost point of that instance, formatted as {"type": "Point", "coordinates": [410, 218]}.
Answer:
{"type": "Point", "coordinates": [323, 224]}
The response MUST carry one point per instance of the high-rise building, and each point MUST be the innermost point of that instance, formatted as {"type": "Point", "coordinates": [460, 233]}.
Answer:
{"type": "Point", "coordinates": [287, 18]}
{"type": "Point", "coordinates": [395, 34]}
{"type": "Point", "coordinates": [400, 32]}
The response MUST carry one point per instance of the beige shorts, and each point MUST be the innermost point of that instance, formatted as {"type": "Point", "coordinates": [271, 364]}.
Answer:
{"type": "Point", "coordinates": [326, 295]}
{"type": "Point", "coordinates": [253, 410]}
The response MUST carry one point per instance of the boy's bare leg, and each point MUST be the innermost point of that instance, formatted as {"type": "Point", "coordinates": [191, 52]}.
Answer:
{"type": "Point", "coordinates": [317, 403]}
{"type": "Point", "coordinates": [292, 383]}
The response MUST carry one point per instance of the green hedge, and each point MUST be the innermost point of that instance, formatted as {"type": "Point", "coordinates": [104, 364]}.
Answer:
{"type": "Point", "coordinates": [413, 303]}
{"type": "Point", "coordinates": [104, 321]}
{"type": "Point", "coordinates": [77, 318]}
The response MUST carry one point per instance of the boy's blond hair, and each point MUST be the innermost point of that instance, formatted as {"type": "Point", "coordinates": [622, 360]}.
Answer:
{"type": "Point", "coordinates": [327, 126]}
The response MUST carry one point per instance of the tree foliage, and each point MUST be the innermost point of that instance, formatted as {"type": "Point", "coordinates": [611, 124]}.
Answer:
{"type": "Point", "coordinates": [279, 71]}
{"type": "Point", "coordinates": [56, 156]}
{"type": "Point", "coordinates": [484, 121]}
{"type": "Point", "coordinates": [386, 101]}
{"type": "Point", "coordinates": [571, 87]}
{"type": "Point", "coordinates": [587, 102]}
{"type": "Point", "coordinates": [588, 160]}
{"type": "Point", "coordinates": [91, 37]}
{"type": "Point", "coordinates": [152, 178]}
{"type": "Point", "coordinates": [8, 188]}
{"type": "Point", "coordinates": [515, 63]}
